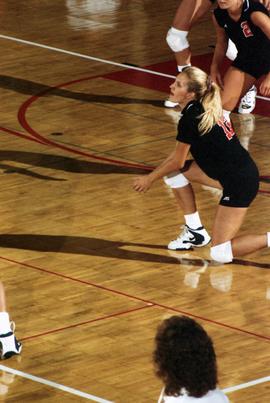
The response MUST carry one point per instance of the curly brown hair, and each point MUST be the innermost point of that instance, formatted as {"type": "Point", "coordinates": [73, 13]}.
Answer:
{"type": "Point", "coordinates": [184, 357]}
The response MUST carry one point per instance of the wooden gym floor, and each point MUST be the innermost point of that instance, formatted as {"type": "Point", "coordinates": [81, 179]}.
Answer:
{"type": "Point", "coordinates": [83, 257]}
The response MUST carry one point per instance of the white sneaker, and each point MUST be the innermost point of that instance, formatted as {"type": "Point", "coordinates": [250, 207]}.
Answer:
{"type": "Point", "coordinates": [9, 345]}
{"type": "Point", "coordinates": [190, 237]}
{"type": "Point", "coordinates": [170, 104]}
{"type": "Point", "coordinates": [248, 102]}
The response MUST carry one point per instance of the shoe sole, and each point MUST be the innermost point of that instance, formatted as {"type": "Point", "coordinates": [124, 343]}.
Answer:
{"type": "Point", "coordinates": [190, 248]}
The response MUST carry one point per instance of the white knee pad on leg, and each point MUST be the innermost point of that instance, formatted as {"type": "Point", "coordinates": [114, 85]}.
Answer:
{"type": "Point", "coordinates": [176, 181]}
{"type": "Point", "coordinates": [177, 40]}
{"type": "Point", "coordinates": [222, 253]}
{"type": "Point", "coordinates": [231, 50]}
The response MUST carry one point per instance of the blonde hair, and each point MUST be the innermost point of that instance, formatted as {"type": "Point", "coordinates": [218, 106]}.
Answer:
{"type": "Point", "coordinates": [208, 93]}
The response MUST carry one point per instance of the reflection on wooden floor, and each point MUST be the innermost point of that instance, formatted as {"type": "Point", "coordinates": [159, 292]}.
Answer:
{"type": "Point", "coordinates": [83, 257]}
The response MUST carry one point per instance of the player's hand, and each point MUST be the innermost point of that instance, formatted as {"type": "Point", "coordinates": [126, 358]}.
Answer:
{"type": "Point", "coordinates": [142, 183]}
{"type": "Point", "coordinates": [265, 86]}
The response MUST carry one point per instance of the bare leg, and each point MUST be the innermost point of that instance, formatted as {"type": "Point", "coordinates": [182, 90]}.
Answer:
{"type": "Point", "coordinates": [4, 316]}
{"type": "Point", "coordinates": [9, 345]}
{"type": "Point", "coordinates": [247, 127]}
{"type": "Point", "coordinates": [185, 195]}
{"type": "Point", "coordinates": [185, 198]}
{"type": "Point", "coordinates": [227, 222]}
{"type": "Point", "coordinates": [195, 174]}
{"type": "Point", "coordinates": [2, 298]}
{"type": "Point", "coordinates": [187, 14]}
{"type": "Point", "coordinates": [236, 84]}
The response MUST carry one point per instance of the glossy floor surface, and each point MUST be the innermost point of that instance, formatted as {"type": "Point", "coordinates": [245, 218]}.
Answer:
{"type": "Point", "coordinates": [83, 257]}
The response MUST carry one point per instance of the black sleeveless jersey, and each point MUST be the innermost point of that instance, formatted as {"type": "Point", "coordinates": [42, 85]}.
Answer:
{"type": "Point", "coordinates": [243, 32]}
{"type": "Point", "coordinates": [218, 153]}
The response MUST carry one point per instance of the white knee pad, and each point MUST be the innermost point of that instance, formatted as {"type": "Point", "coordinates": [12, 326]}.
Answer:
{"type": "Point", "coordinates": [222, 253]}
{"type": "Point", "coordinates": [177, 40]}
{"type": "Point", "coordinates": [176, 181]}
{"type": "Point", "coordinates": [231, 50]}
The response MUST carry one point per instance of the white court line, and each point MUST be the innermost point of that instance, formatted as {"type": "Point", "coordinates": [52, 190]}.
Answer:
{"type": "Point", "coordinates": [264, 98]}
{"type": "Point", "coordinates": [68, 52]}
{"type": "Point", "coordinates": [232, 388]}
{"type": "Point", "coordinates": [54, 385]}
{"type": "Point", "coordinates": [246, 385]}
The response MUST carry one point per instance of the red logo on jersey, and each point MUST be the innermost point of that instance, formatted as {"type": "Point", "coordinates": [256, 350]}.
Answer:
{"type": "Point", "coordinates": [227, 128]}
{"type": "Point", "coordinates": [246, 29]}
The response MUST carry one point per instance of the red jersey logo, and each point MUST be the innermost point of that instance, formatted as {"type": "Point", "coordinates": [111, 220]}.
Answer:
{"type": "Point", "coordinates": [227, 128]}
{"type": "Point", "coordinates": [246, 29]}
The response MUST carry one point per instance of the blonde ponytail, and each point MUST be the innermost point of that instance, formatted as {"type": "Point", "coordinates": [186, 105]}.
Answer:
{"type": "Point", "coordinates": [208, 93]}
{"type": "Point", "coordinates": [211, 103]}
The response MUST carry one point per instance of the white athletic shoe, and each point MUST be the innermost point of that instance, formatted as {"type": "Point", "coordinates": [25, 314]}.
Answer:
{"type": "Point", "coordinates": [170, 104]}
{"type": "Point", "coordinates": [190, 237]}
{"type": "Point", "coordinates": [9, 345]}
{"type": "Point", "coordinates": [248, 102]}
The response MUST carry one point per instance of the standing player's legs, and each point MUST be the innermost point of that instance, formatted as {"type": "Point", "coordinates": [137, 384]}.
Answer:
{"type": "Point", "coordinates": [248, 101]}
{"type": "Point", "coordinates": [236, 84]}
{"type": "Point", "coordinates": [187, 14]}
{"type": "Point", "coordinates": [9, 345]}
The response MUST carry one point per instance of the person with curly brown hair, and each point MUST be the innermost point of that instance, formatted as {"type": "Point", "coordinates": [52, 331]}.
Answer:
{"type": "Point", "coordinates": [185, 360]}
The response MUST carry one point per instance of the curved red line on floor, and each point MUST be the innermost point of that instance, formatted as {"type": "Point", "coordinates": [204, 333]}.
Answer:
{"type": "Point", "coordinates": [45, 142]}
{"type": "Point", "coordinates": [18, 134]}
{"type": "Point", "coordinates": [23, 121]}
{"type": "Point", "coordinates": [153, 303]}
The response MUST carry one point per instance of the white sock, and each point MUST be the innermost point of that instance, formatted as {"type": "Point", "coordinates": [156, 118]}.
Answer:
{"type": "Point", "coordinates": [180, 68]}
{"type": "Point", "coordinates": [4, 323]}
{"type": "Point", "coordinates": [193, 220]}
{"type": "Point", "coordinates": [268, 239]}
{"type": "Point", "coordinates": [226, 115]}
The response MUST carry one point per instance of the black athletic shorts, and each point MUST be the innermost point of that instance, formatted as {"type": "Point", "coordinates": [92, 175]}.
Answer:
{"type": "Point", "coordinates": [240, 189]}
{"type": "Point", "coordinates": [255, 66]}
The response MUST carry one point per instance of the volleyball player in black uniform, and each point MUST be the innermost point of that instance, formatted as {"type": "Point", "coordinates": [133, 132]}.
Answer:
{"type": "Point", "coordinates": [219, 161]}
{"type": "Point", "coordinates": [247, 24]}
{"type": "Point", "coordinates": [188, 13]}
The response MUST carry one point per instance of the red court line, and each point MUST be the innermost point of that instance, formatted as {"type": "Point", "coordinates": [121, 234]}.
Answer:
{"type": "Point", "coordinates": [143, 167]}
{"type": "Point", "coordinates": [22, 120]}
{"type": "Point", "coordinates": [141, 79]}
{"type": "Point", "coordinates": [113, 315]}
{"type": "Point", "coordinates": [149, 302]}
{"type": "Point", "coordinates": [24, 136]}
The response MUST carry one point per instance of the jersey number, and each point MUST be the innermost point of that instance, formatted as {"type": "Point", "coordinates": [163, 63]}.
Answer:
{"type": "Point", "coordinates": [246, 30]}
{"type": "Point", "coordinates": [227, 128]}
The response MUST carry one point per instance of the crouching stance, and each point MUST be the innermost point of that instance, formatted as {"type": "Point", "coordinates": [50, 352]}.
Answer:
{"type": "Point", "coordinates": [219, 161]}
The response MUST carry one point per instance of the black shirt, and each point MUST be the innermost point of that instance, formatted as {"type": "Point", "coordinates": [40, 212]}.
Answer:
{"type": "Point", "coordinates": [218, 153]}
{"type": "Point", "coordinates": [243, 32]}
